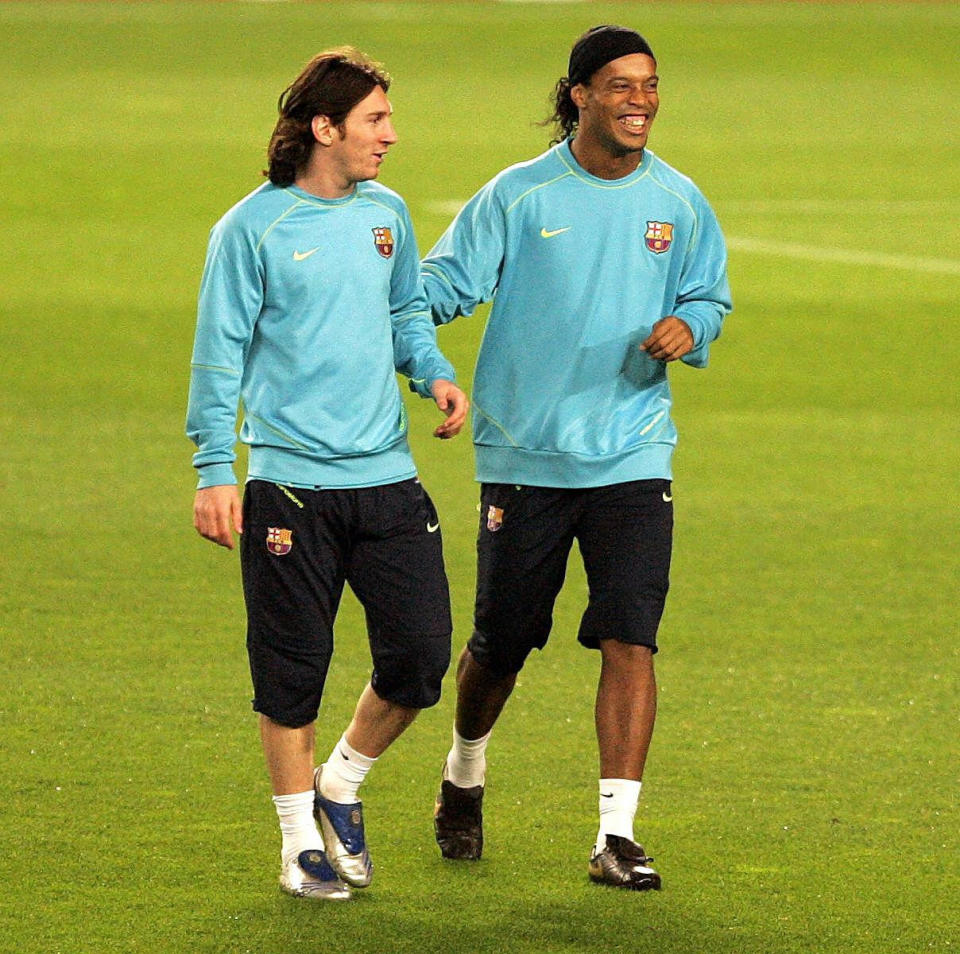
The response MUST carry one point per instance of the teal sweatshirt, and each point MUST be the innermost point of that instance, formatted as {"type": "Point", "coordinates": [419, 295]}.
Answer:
{"type": "Point", "coordinates": [579, 269]}
{"type": "Point", "coordinates": [307, 307]}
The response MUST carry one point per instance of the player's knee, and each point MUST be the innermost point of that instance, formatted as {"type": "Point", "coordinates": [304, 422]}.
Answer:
{"type": "Point", "coordinates": [628, 654]}
{"type": "Point", "coordinates": [409, 671]}
{"type": "Point", "coordinates": [500, 657]}
{"type": "Point", "coordinates": [287, 686]}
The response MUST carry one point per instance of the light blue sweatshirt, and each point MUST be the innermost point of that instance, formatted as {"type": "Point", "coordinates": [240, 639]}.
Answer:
{"type": "Point", "coordinates": [307, 306]}
{"type": "Point", "coordinates": [579, 270]}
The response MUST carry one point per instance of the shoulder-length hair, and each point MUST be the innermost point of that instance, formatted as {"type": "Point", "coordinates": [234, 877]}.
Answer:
{"type": "Point", "coordinates": [330, 85]}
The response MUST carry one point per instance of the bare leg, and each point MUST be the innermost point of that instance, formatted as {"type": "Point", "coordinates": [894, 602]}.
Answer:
{"type": "Point", "coordinates": [289, 755]}
{"type": "Point", "coordinates": [626, 709]}
{"type": "Point", "coordinates": [290, 752]}
{"type": "Point", "coordinates": [481, 696]}
{"type": "Point", "coordinates": [377, 723]}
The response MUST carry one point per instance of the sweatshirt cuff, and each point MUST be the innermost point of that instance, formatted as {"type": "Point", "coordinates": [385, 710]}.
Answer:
{"type": "Point", "coordinates": [420, 386]}
{"type": "Point", "coordinates": [215, 475]}
{"type": "Point", "coordinates": [696, 326]}
{"type": "Point", "coordinates": [442, 370]}
{"type": "Point", "coordinates": [423, 386]}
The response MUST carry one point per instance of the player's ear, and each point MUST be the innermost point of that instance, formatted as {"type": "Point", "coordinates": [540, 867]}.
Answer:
{"type": "Point", "coordinates": [322, 130]}
{"type": "Point", "coordinates": [578, 95]}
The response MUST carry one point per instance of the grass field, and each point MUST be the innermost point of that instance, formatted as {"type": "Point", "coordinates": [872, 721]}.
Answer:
{"type": "Point", "coordinates": [801, 793]}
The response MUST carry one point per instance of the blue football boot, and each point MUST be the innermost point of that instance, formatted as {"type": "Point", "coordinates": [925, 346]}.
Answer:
{"type": "Point", "coordinates": [342, 830]}
{"type": "Point", "coordinates": [310, 875]}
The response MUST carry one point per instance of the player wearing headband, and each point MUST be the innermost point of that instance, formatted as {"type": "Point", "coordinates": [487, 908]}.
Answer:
{"type": "Point", "coordinates": [604, 265]}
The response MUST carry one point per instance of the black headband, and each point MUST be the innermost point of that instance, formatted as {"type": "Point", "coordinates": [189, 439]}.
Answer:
{"type": "Point", "coordinates": [598, 46]}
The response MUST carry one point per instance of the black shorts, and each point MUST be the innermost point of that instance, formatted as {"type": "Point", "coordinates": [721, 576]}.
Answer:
{"type": "Point", "coordinates": [297, 549]}
{"type": "Point", "coordinates": [625, 535]}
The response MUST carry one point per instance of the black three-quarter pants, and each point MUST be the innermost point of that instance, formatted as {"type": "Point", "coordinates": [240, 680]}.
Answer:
{"type": "Point", "coordinates": [299, 547]}
{"type": "Point", "coordinates": [625, 535]}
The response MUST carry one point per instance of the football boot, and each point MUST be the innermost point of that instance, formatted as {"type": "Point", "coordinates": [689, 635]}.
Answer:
{"type": "Point", "coordinates": [342, 829]}
{"type": "Point", "coordinates": [458, 820]}
{"type": "Point", "coordinates": [310, 875]}
{"type": "Point", "coordinates": [624, 864]}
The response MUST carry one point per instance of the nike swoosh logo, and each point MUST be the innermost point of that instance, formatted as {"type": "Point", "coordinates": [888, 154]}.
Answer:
{"type": "Point", "coordinates": [667, 497]}
{"type": "Point", "coordinates": [300, 256]}
{"type": "Point", "coordinates": [605, 795]}
{"type": "Point", "coordinates": [546, 234]}
{"type": "Point", "coordinates": [433, 527]}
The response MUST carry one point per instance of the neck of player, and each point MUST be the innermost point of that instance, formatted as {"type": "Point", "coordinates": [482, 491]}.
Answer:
{"type": "Point", "coordinates": [601, 161]}
{"type": "Point", "coordinates": [324, 183]}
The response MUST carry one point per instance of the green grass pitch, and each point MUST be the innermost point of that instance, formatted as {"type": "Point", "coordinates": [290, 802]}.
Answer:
{"type": "Point", "coordinates": [801, 793]}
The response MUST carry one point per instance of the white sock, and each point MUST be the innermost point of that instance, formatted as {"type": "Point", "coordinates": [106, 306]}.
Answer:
{"type": "Point", "coordinates": [297, 826]}
{"type": "Point", "coordinates": [467, 761]}
{"type": "Point", "coordinates": [618, 805]}
{"type": "Point", "coordinates": [343, 772]}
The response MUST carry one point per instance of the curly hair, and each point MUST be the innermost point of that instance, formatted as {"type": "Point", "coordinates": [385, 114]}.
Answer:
{"type": "Point", "coordinates": [565, 113]}
{"type": "Point", "coordinates": [331, 84]}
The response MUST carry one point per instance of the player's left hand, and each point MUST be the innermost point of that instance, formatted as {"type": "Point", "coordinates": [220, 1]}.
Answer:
{"type": "Point", "coordinates": [454, 403]}
{"type": "Point", "coordinates": [670, 339]}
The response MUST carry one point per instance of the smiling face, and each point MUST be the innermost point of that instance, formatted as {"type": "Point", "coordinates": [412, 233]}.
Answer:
{"type": "Point", "coordinates": [617, 107]}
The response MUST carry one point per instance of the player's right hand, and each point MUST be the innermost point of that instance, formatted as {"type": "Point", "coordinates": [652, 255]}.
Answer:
{"type": "Point", "coordinates": [670, 339]}
{"type": "Point", "coordinates": [217, 513]}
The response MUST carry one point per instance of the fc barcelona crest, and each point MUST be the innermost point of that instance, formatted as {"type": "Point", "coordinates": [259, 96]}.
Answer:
{"type": "Point", "coordinates": [659, 236]}
{"type": "Point", "coordinates": [494, 518]}
{"type": "Point", "coordinates": [383, 239]}
{"type": "Point", "coordinates": [279, 541]}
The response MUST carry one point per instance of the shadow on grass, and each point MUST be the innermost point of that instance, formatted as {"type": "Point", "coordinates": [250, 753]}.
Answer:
{"type": "Point", "coordinates": [475, 908]}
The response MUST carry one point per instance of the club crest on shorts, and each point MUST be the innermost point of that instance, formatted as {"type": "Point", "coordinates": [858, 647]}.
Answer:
{"type": "Point", "coordinates": [494, 518]}
{"type": "Point", "coordinates": [279, 541]}
{"type": "Point", "coordinates": [383, 239]}
{"type": "Point", "coordinates": [659, 236]}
